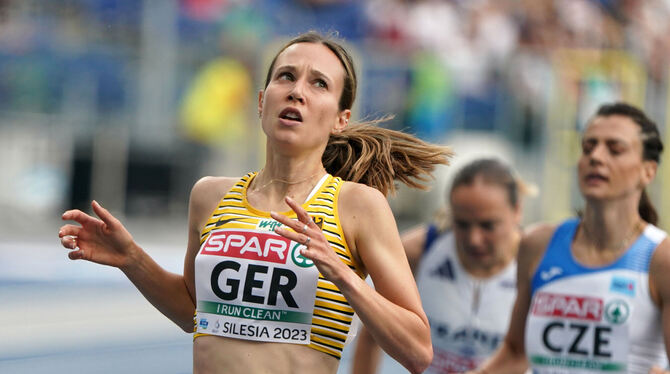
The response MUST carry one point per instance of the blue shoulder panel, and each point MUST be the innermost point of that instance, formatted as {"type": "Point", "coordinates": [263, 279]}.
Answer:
{"type": "Point", "coordinates": [558, 262]}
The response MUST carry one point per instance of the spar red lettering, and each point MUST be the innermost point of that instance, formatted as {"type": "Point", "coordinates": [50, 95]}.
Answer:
{"type": "Point", "coordinates": [244, 244]}
{"type": "Point", "coordinates": [568, 306]}
{"type": "Point", "coordinates": [449, 362]}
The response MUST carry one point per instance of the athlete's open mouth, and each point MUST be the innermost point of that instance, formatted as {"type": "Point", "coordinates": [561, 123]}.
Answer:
{"type": "Point", "coordinates": [595, 177]}
{"type": "Point", "coordinates": [291, 114]}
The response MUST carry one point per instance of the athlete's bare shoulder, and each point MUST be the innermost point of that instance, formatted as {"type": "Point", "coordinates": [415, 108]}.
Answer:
{"type": "Point", "coordinates": [361, 195]}
{"type": "Point", "coordinates": [538, 235]}
{"type": "Point", "coordinates": [533, 245]}
{"type": "Point", "coordinates": [206, 194]}
{"type": "Point", "coordinates": [364, 213]}
{"type": "Point", "coordinates": [361, 203]}
{"type": "Point", "coordinates": [208, 188]}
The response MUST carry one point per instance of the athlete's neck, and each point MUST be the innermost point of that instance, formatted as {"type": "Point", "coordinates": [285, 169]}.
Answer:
{"type": "Point", "coordinates": [269, 188]}
{"type": "Point", "coordinates": [608, 224]}
{"type": "Point", "coordinates": [284, 171]}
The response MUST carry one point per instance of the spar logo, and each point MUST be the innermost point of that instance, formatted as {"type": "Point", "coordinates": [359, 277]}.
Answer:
{"type": "Point", "coordinates": [568, 306]}
{"type": "Point", "coordinates": [268, 247]}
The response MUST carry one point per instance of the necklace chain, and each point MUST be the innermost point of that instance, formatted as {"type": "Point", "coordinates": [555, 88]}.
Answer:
{"type": "Point", "coordinates": [635, 230]}
{"type": "Point", "coordinates": [290, 183]}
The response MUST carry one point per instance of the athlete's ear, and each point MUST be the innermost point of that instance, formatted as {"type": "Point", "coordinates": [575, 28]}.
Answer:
{"type": "Point", "coordinates": [342, 121]}
{"type": "Point", "coordinates": [649, 168]}
{"type": "Point", "coordinates": [518, 213]}
{"type": "Point", "coordinates": [260, 103]}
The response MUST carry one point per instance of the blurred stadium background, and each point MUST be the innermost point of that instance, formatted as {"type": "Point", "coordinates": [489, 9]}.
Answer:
{"type": "Point", "coordinates": [129, 102]}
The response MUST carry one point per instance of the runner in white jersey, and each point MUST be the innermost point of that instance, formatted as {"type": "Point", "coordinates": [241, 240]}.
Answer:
{"type": "Point", "coordinates": [467, 273]}
{"type": "Point", "coordinates": [468, 315]}
{"type": "Point", "coordinates": [594, 292]}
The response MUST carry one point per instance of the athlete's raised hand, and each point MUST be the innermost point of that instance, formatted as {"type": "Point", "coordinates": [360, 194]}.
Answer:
{"type": "Point", "coordinates": [306, 232]}
{"type": "Point", "coordinates": [104, 240]}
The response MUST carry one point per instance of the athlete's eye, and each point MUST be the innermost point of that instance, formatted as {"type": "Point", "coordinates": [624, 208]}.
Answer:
{"type": "Point", "coordinates": [461, 225]}
{"type": "Point", "coordinates": [488, 225]}
{"type": "Point", "coordinates": [321, 83]}
{"type": "Point", "coordinates": [616, 148]}
{"type": "Point", "coordinates": [587, 146]}
{"type": "Point", "coordinates": [285, 75]}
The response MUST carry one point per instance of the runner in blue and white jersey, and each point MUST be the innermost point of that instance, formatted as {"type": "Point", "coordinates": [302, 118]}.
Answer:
{"type": "Point", "coordinates": [594, 292]}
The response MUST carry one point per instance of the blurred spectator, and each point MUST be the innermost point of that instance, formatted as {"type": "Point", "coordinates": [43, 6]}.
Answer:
{"type": "Point", "coordinates": [501, 66]}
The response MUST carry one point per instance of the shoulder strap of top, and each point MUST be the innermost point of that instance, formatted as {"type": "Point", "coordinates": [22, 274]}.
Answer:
{"type": "Point", "coordinates": [555, 261]}
{"type": "Point", "coordinates": [431, 234]}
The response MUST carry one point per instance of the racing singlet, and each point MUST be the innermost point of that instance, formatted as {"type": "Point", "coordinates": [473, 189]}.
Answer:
{"type": "Point", "coordinates": [468, 316]}
{"type": "Point", "coordinates": [253, 284]}
{"type": "Point", "coordinates": [594, 320]}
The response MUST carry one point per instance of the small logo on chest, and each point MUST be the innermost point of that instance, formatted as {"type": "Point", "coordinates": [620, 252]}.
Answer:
{"type": "Point", "coordinates": [553, 272]}
{"type": "Point", "coordinates": [617, 312]}
{"type": "Point", "coordinates": [623, 285]}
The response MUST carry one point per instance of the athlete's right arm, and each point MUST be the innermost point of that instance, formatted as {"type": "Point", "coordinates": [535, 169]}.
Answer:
{"type": "Point", "coordinates": [511, 355]}
{"type": "Point", "coordinates": [367, 354]}
{"type": "Point", "coordinates": [106, 241]}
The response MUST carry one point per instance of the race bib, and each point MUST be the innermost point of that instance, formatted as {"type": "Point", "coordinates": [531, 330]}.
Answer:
{"type": "Point", "coordinates": [255, 286]}
{"type": "Point", "coordinates": [460, 348]}
{"type": "Point", "coordinates": [578, 334]}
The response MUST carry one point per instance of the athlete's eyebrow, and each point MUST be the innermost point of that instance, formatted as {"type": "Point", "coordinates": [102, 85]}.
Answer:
{"type": "Point", "coordinates": [321, 75]}
{"type": "Point", "coordinates": [608, 140]}
{"type": "Point", "coordinates": [312, 72]}
{"type": "Point", "coordinates": [290, 68]}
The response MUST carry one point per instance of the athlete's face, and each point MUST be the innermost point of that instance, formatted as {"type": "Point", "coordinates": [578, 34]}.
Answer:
{"type": "Point", "coordinates": [299, 107]}
{"type": "Point", "coordinates": [611, 164]}
{"type": "Point", "coordinates": [485, 224]}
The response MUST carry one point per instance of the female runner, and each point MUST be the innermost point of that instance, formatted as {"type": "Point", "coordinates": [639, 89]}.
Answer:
{"type": "Point", "coordinates": [276, 259]}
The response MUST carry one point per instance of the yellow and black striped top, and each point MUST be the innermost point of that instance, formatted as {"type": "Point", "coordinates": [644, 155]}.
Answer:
{"type": "Point", "coordinates": [333, 315]}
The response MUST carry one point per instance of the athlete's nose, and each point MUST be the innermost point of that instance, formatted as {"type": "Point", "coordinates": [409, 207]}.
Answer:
{"type": "Point", "coordinates": [475, 237]}
{"type": "Point", "coordinates": [597, 154]}
{"type": "Point", "coordinates": [294, 96]}
{"type": "Point", "coordinates": [296, 93]}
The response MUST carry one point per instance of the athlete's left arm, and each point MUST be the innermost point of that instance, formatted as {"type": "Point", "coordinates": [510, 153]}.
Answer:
{"type": "Point", "coordinates": [392, 311]}
{"type": "Point", "coordinates": [659, 285]}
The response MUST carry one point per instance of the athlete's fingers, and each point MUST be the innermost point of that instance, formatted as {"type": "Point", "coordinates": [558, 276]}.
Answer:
{"type": "Point", "coordinates": [289, 222]}
{"type": "Point", "coordinates": [302, 214]}
{"type": "Point", "coordinates": [307, 253]}
{"type": "Point", "coordinates": [300, 232]}
{"type": "Point", "coordinates": [69, 241]}
{"type": "Point", "coordinates": [76, 255]}
{"type": "Point", "coordinates": [657, 370]}
{"type": "Point", "coordinates": [79, 216]}
{"type": "Point", "coordinates": [280, 218]}
{"type": "Point", "coordinates": [291, 235]}
{"type": "Point", "coordinates": [69, 230]}
{"type": "Point", "coordinates": [72, 214]}
{"type": "Point", "coordinates": [104, 214]}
